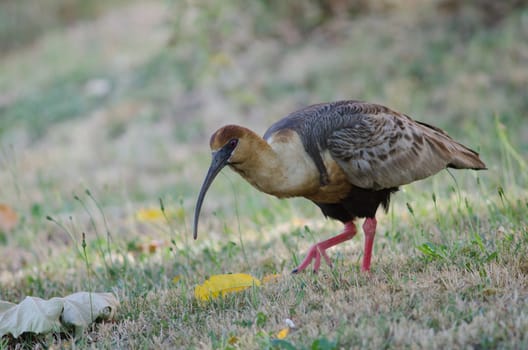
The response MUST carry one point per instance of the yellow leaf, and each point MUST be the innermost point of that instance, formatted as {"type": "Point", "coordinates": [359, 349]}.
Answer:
{"type": "Point", "coordinates": [176, 279]}
{"type": "Point", "coordinates": [149, 214]}
{"type": "Point", "coordinates": [283, 333]}
{"type": "Point", "coordinates": [156, 214]}
{"type": "Point", "coordinates": [222, 284]}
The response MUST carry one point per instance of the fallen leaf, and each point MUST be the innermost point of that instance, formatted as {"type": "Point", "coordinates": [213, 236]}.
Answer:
{"type": "Point", "coordinates": [149, 215]}
{"type": "Point", "coordinates": [33, 314]}
{"type": "Point", "coordinates": [37, 315]}
{"type": "Point", "coordinates": [5, 305]}
{"type": "Point", "coordinates": [156, 214]}
{"type": "Point", "coordinates": [8, 218]}
{"type": "Point", "coordinates": [83, 308]}
{"type": "Point", "coordinates": [283, 333]}
{"type": "Point", "coordinates": [222, 284]}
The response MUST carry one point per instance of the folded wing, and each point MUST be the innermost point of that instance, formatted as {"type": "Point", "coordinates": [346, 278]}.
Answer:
{"type": "Point", "coordinates": [387, 149]}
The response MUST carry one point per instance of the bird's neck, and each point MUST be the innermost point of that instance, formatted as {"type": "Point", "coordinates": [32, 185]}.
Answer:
{"type": "Point", "coordinates": [261, 166]}
{"type": "Point", "coordinates": [279, 168]}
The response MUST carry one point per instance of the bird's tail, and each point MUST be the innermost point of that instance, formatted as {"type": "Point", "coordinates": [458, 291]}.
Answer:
{"type": "Point", "coordinates": [461, 156]}
{"type": "Point", "coordinates": [465, 158]}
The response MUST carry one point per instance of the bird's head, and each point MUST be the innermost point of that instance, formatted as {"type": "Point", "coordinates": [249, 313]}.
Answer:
{"type": "Point", "coordinates": [231, 141]}
{"type": "Point", "coordinates": [230, 145]}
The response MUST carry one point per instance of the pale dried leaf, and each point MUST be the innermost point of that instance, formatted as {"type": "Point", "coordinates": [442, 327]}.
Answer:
{"type": "Point", "coordinates": [5, 305]}
{"type": "Point", "coordinates": [83, 308]}
{"type": "Point", "coordinates": [36, 315]}
{"type": "Point", "coordinates": [33, 314]}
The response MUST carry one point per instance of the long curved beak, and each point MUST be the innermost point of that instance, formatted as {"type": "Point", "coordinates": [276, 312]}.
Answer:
{"type": "Point", "coordinates": [220, 160]}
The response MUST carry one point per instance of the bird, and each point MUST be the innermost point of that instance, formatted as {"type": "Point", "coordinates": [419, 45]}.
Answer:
{"type": "Point", "coordinates": [347, 157]}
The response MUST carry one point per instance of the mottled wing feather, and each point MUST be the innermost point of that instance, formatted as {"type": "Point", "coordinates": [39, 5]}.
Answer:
{"type": "Point", "coordinates": [376, 147]}
{"type": "Point", "coordinates": [387, 150]}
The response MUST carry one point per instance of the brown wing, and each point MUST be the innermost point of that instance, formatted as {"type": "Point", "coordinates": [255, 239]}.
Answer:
{"type": "Point", "coordinates": [386, 149]}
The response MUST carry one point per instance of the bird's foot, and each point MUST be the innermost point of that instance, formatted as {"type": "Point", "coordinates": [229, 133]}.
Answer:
{"type": "Point", "coordinates": [315, 252]}
{"type": "Point", "coordinates": [319, 249]}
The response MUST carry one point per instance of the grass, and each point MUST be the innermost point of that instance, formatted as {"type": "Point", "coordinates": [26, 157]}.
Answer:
{"type": "Point", "coordinates": [449, 265]}
{"type": "Point", "coordinates": [22, 22]}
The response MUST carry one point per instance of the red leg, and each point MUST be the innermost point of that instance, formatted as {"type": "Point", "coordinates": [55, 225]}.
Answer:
{"type": "Point", "coordinates": [369, 227]}
{"type": "Point", "coordinates": [319, 249]}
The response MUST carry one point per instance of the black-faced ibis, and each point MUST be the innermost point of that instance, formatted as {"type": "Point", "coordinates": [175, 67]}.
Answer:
{"type": "Point", "coordinates": [347, 157]}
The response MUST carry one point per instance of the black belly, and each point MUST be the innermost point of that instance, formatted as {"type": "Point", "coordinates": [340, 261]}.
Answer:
{"type": "Point", "coordinates": [359, 203]}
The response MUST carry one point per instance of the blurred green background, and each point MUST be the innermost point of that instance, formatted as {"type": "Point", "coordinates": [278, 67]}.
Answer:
{"type": "Point", "coordinates": [120, 97]}
{"type": "Point", "coordinates": [458, 62]}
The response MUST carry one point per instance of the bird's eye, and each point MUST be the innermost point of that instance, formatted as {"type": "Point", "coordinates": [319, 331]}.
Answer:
{"type": "Point", "coordinates": [233, 142]}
